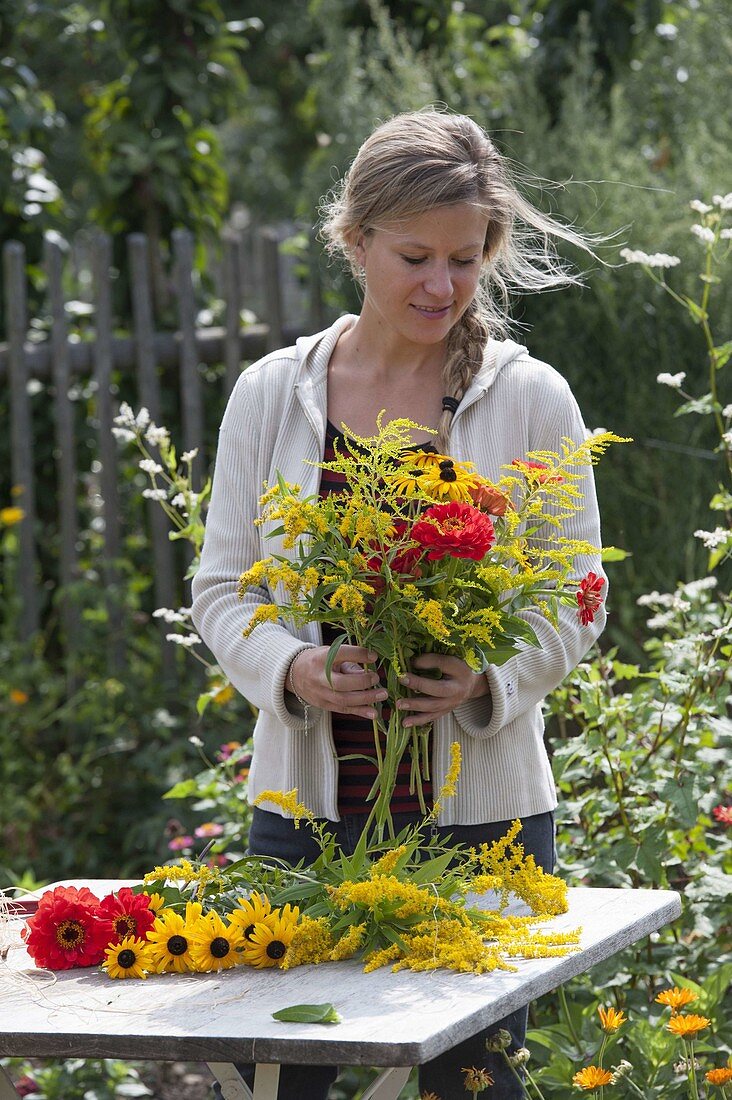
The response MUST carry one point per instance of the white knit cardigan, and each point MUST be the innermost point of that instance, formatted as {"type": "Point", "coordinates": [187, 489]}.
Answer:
{"type": "Point", "coordinates": [275, 421]}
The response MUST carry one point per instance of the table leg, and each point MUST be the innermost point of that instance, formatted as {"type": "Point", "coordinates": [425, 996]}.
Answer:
{"type": "Point", "coordinates": [388, 1084]}
{"type": "Point", "coordinates": [7, 1088]}
{"type": "Point", "coordinates": [266, 1081]}
{"type": "Point", "coordinates": [233, 1086]}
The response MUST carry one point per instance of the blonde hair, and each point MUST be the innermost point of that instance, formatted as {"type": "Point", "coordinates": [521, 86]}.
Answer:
{"type": "Point", "coordinates": [415, 162]}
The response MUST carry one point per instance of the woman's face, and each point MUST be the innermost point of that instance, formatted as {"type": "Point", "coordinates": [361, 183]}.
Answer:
{"type": "Point", "coordinates": [422, 273]}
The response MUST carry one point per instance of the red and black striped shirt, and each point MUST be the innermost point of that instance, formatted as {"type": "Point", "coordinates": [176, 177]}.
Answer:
{"type": "Point", "coordinates": [353, 735]}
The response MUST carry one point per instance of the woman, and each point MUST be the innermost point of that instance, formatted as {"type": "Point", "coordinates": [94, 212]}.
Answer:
{"type": "Point", "coordinates": [437, 235]}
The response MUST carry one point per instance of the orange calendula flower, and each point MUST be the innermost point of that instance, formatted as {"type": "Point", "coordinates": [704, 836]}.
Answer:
{"type": "Point", "coordinates": [686, 1027]}
{"type": "Point", "coordinates": [721, 1076]}
{"type": "Point", "coordinates": [591, 1078]}
{"type": "Point", "coordinates": [18, 698]}
{"type": "Point", "coordinates": [676, 998]}
{"type": "Point", "coordinates": [611, 1019]}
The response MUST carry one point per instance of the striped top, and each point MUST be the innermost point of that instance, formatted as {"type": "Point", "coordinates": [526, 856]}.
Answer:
{"type": "Point", "coordinates": [353, 735]}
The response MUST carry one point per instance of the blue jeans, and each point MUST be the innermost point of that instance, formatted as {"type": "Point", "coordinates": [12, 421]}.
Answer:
{"type": "Point", "coordinates": [273, 835]}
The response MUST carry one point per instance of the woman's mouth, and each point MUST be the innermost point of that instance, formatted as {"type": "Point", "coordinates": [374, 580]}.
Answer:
{"type": "Point", "coordinates": [432, 312]}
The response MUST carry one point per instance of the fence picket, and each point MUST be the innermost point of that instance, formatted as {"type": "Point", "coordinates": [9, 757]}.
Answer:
{"type": "Point", "coordinates": [54, 254]}
{"type": "Point", "coordinates": [232, 297]}
{"type": "Point", "coordinates": [191, 393]}
{"type": "Point", "coordinates": [21, 437]}
{"type": "Point", "coordinates": [149, 390]}
{"type": "Point", "coordinates": [272, 292]}
{"type": "Point", "coordinates": [101, 262]}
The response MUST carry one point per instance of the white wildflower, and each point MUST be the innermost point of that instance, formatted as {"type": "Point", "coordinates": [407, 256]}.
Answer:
{"type": "Point", "coordinates": [196, 741]}
{"type": "Point", "coordinates": [727, 410]}
{"type": "Point", "coordinates": [150, 466]}
{"type": "Point", "coordinates": [185, 501]}
{"type": "Point", "coordinates": [182, 615]}
{"type": "Point", "coordinates": [187, 640]}
{"type": "Point", "coordinates": [723, 201]}
{"type": "Point", "coordinates": [157, 437]}
{"type": "Point", "coordinates": [188, 456]}
{"type": "Point", "coordinates": [123, 434]}
{"type": "Point", "coordinates": [163, 719]}
{"type": "Point", "coordinates": [672, 380]}
{"type": "Point", "coordinates": [667, 30]}
{"type": "Point", "coordinates": [155, 494]}
{"type": "Point", "coordinates": [700, 207]}
{"type": "Point", "coordinates": [648, 599]}
{"type": "Point", "coordinates": [727, 439]}
{"type": "Point", "coordinates": [656, 259]}
{"type": "Point", "coordinates": [726, 234]}
{"type": "Point", "coordinates": [126, 417]}
{"type": "Point", "coordinates": [703, 233]}
{"type": "Point", "coordinates": [142, 419]}
{"type": "Point", "coordinates": [695, 588]}
{"type": "Point", "coordinates": [712, 539]}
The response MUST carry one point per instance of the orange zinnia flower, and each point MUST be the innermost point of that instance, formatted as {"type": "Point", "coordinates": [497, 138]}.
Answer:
{"type": "Point", "coordinates": [591, 1077]}
{"type": "Point", "coordinates": [719, 1076]}
{"type": "Point", "coordinates": [611, 1019]}
{"type": "Point", "coordinates": [687, 1026]}
{"type": "Point", "coordinates": [676, 998]}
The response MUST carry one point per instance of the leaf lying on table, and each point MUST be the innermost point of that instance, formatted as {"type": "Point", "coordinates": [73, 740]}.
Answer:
{"type": "Point", "coordinates": [308, 1014]}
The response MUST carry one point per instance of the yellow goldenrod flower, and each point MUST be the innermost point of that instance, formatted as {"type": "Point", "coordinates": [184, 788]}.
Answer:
{"type": "Point", "coordinates": [430, 613]}
{"type": "Point", "coordinates": [686, 1027]}
{"type": "Point", "coordinates": [128, 959]}
{"type": "Point", "coordinates": [720, 1077]}
{"type": "Point", "coordinates": [676, 998]}
{"type": "Point", "coordinates": [380, 958]}
{"type": "Point", "coordinates": [253, 576]}
{"type": "Point", "coordinates": [312, 942]}
{"type": "Point", "coordinates": [385, 864]}
{"type": "Point", "coordinates": [591, 1078]}
{"type": "Point", "coordinates": [349, 944]}
{"type": "Point", "coordinates": [265, 613]}
{"type": "Point", "coordinates": [610, 1019]}
{"type": "Point", "coordinates": [348, 598]}
{"type": "Point", "coordinates": [287, 801]}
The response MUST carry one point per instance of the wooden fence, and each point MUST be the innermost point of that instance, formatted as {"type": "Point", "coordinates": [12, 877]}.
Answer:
{"type": "Point", "coordinates": [249, 264]}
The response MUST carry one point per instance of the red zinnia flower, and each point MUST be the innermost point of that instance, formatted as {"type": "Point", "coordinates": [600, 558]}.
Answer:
{"type": "Point", "coordinates": [65, 930]}
{"type": "Point", "coordinates": [533, 471]}
{"type": "Point", "coordinates": [125, 914]}
{"type": "Point", "coordinates": [403, 562]}
{"type": "Point", "coordinates": [589, 598]}
{"type": "Point", "coordinates": [454, 529]}
{"type": "Point", "coordinates": [723, 814]}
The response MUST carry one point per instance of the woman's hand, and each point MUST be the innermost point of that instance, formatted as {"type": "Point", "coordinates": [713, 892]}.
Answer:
{"type": "Point", "coordinates": [436, 698]}
{"type": "Point", "coordinates": [354, 688]}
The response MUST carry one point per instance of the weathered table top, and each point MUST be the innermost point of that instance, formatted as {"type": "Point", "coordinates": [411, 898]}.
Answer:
{"type": "Point", "coordinates": [387, 1019]}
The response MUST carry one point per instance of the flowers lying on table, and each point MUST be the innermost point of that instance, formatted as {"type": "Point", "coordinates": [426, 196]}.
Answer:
{"type": "Point", "coordinates": [411, 904]}
{"type": "Point", "coordinates": [420, 554]}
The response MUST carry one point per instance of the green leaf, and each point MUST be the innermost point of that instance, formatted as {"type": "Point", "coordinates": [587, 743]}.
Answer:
{"type": "Point", "coordinates": [722, 354]}
{"type": "Point", "coordinates": [308, 1014]}
{"type": "Point", "coordinates": [332, 654]}
{"type": "Point", "coordinates": [614, 553]}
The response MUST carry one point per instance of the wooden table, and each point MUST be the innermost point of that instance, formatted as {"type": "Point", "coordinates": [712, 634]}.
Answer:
{"type": "Point", "coordinates": [392, 1020]}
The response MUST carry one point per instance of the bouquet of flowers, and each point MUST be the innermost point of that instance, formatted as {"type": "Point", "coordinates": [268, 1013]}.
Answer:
{"type": "Point", "coordinates": [423, 554]}
{"type": "Point", "coordinates": [411, 904]}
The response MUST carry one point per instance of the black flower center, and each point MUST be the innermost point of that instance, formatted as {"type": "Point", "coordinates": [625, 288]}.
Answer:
{"type": "Point", "coordinates": [177, 945]}
{"type": "Point", "coordinates": [70, 933]}
{"type": "Point", "coordinates": [447, 464]}
{"type": "Point", "coordinates": [126, 958]}
{"type": "Point", "coordinates": [276, 949]}
{"type": "Point", "coordinates": [447, 474]}
{"type": "Point", "coordinates": [248, 931]}
{"type": "Point", "coordinates": [220, 947]}
{"type": "Point", "coordinates": [125, 926]}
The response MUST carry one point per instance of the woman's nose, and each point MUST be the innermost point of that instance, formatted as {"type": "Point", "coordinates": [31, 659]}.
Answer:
{"type": "Point", "coordinates": [438, 281]}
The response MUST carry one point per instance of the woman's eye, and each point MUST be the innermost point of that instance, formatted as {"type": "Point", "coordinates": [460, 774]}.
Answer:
{"type": "Point", "coordinates": [414, 259]}
{"type": "Point", "coordinates": [466, 263]}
